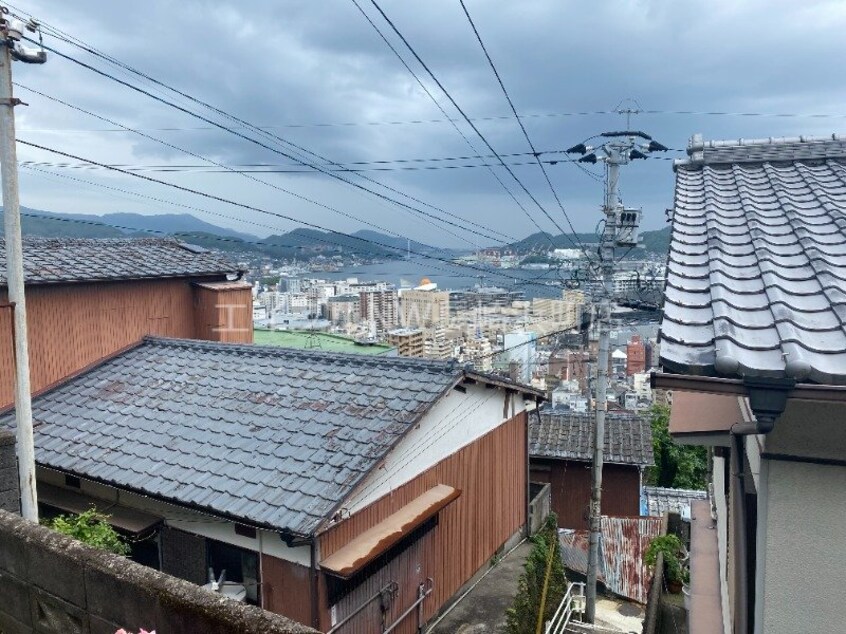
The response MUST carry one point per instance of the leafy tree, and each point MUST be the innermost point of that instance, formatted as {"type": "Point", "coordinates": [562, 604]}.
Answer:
{"type": "Point", "coordinates": [522, 616]}
{"type": "Point", "coordinates": [90, 528]}
{"type": "Point", "coordinates": [676, 466]}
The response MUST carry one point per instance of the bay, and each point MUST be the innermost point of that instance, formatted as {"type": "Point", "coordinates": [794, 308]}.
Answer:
{"type": "Point", "coordinates": [448, 276]}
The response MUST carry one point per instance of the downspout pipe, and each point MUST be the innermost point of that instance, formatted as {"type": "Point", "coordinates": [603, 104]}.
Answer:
{"type": "Point", "coordinates": [315, 586]}
{"type": "Point", "coordinates": [767, 400]}
{"type": "Point", "coordinates": [741, 618]}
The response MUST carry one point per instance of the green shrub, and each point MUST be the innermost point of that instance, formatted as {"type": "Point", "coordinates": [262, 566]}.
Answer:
{"type": "Point", "coordinates": [90, 528]}
{"type": "Point", "coordinates": [522, 616]}
{"type": "Point", "coordinates": [671, 547]}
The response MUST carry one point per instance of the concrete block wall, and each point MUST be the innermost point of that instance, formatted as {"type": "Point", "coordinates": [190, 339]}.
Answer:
{"type": "Point", "coordinates": [52, 583]}
{"type": "Point", "coordinates": [10, 499]}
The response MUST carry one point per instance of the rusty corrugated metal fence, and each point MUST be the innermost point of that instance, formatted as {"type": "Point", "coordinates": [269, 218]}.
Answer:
{"type": "Point", "coordinates": [624, 542]}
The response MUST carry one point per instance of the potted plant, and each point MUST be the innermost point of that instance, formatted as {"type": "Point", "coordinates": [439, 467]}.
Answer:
{"type": "Point", "coordinates": [686, 587]}
{"type": "Point", "coordinates": [671, 548]}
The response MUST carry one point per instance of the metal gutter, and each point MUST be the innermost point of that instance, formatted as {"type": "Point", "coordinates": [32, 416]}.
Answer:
{"type": "Point", "coordinates": [738, 387]}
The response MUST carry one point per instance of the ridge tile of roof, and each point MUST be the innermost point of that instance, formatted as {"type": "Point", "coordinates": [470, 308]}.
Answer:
{"type": "Point", "coordinates": [756, 271]}
{"type": "Point", "coordinates": [69, 260]}
{"type": "Point", "coordinates": [273, 437]}
{"type": "Point", "coordinates": [569, 436]}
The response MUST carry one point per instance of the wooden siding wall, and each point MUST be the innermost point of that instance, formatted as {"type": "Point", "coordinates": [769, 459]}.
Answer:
{"type": "Point", "coordinates": [224, 314]}
{"type": "Point", "coordinates": [570, 488]}
{"type": "Point", "coordinates": [286, 588]}
{"type": "Point", "coordinates": [409, 569]}
{"type": "Point", "coordinates": [74, 325]}
{"type": "Point", "coordinates": [491, 474]}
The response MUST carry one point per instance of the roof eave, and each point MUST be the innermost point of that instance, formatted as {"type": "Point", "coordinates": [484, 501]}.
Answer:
{"type": "Point", "coordinates": [102, 280]}
{"type": "Point", "coordinates": [490, 379]}
{"type": "Point", "coordinates": [206, 510]}
{"type": "Point", "coordinates": [605, 460]}
{"type": "Point", "coordinates": [720, 385]}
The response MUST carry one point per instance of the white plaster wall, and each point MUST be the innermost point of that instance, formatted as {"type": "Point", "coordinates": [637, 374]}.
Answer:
{"type": "Point", "coordinates": [454, 422]}
{"type": "Point", "coordinates": [805, 567]}
{"type": "Point", "coordinates": [809, 429]}
{"type": "Point", "coordinates": [267, 542]}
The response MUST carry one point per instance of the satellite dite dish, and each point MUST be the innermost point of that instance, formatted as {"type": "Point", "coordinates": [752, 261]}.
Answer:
{"type": "Point", "coordinates": [228, 589]}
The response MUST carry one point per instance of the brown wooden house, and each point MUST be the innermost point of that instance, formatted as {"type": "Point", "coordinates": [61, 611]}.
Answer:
{"type": "Point", "coordinates": [560, 446]}
{"type": "Point", "coordinates": [341, 490]}
{"type": "Point", "coordinates": [87, 298]}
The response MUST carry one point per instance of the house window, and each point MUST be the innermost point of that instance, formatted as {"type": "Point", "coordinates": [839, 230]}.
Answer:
{"type": "Point", "coordinates": [241, 566]}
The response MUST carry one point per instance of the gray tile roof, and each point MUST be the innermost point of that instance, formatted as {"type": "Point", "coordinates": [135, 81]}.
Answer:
{"type": "Point", "coordinates": [271, 436]}
{"type": "Point", "coordinates": [756, 276]}
{"type": "Point", "coordinates": [65, 260]}
{"type": "Point", "coordinates": [568, 435]}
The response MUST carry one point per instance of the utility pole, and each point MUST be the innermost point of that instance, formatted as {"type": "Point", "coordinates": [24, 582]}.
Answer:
{"type": "Point", "coordinates": [11, 32]}
{"type": "Point", "coordinates": [620, 229]}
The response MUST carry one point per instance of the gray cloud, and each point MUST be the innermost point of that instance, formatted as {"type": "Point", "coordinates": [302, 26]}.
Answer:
{"type": "Point", "coordinates": [280, 63]}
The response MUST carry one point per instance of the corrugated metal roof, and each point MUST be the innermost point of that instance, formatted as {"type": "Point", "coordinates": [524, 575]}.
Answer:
{"type": "Point", "coordinates": [756, 276]}
{"type": "Point", "coordinates": [574, 551]}
{"type": "Point", "coordinates": [660, 500]}
{"type": "Point", "coordinates": [272, 436]}
{"type": "Point", "coordinates": [68, 260]}
{"type": "Point", "coordinates": [568, 435]}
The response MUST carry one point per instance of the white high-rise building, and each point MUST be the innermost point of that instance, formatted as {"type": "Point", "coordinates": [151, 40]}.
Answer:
{"type": "Point", "coordinates": [520, 347]}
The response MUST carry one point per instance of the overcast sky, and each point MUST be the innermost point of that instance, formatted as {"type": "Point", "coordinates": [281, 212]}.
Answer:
{"type": "Point", "coordinates": [293, 64]}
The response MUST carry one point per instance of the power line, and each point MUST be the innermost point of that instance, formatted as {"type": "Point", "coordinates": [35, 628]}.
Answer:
{"type": "Point", "coordinates": [435, 159]}
{"type": "Point", "coordinates": [532, 281]}
{"type": "Point", "coordinates": [466, 118]}
{"type": "Point", "coordinates": [399, 250]}
{"type": "Point", "coordinates": [234, 241]}
{"type": "Point", "coordinates": [265, 146]}
{"type": "Point", "coordinates": [206, 159]}
{"type": "Point", "coordinates": [428, 92]}
{"type": "Point", "coordinates": [535, 153]}
{"type": "Point", "coordinates": [269, 169]}
{"type": "Point", "coordinates": [524, 116]}
{"type": "Point", "coordinates": [203, 158]}
{"type": "Point", "coordinates": [82, 45]}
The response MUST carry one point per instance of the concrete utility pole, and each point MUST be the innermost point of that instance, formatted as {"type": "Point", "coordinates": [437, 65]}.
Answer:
{"type": "Point", "coordinates": [11, 33]}
{"type": "Point", "coordinates": [620, 230]}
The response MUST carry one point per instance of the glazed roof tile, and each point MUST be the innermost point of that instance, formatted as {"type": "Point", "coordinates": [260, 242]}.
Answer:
{"type": "Point", "coordinates": [569, 436]}
{"type": "Point", "coordinates": [756, 275]}
{"type": "Point", "coordinates": [271, 436]}
{"type": "Point", "coordinates": [69, 260]}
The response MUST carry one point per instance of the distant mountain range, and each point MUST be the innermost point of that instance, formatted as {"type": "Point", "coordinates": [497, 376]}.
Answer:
{"type": "Point", "coordinates": [657, 241]}
{"type": "Point", "coordinates": [299, 243]}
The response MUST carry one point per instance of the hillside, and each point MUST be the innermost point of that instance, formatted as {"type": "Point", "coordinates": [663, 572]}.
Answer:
{"type": "Point", "coordinates": [657, 241]}
{"type": "Point", "coordinates": [299, 243]}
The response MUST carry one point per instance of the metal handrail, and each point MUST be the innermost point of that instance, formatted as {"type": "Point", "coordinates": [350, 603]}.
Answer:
{"type": "Point", "coordinates": [391, 588]}
{"type": "Point", "coordinates": [423, 591]}
{"type": "Point", "coordinates": [561, 619]}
